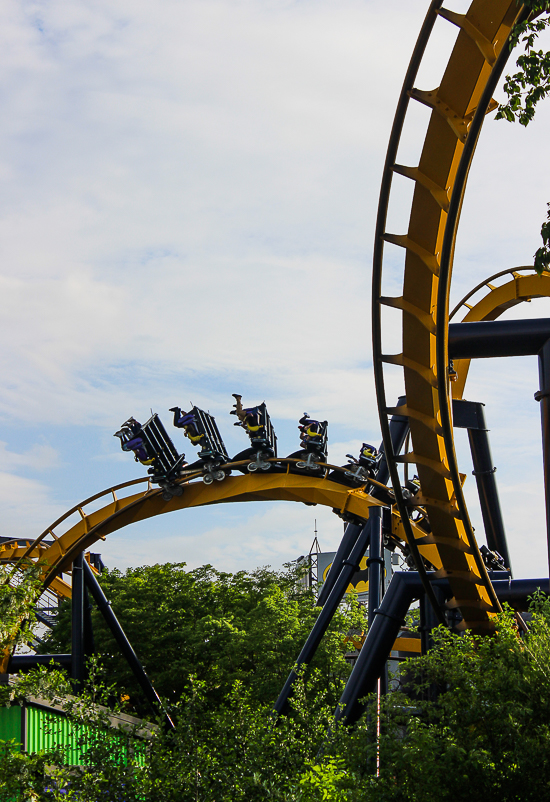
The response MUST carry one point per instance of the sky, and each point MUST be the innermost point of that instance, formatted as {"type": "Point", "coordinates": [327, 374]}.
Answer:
{"type": "Point", "coordinates": [187, 207]}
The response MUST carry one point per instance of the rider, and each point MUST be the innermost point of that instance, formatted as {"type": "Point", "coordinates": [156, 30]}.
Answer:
{"type": "Point", "coordinates": [131, 428]}
{"type": "Point", "coordinates": [311, 431]}
{"type": "Point", "coordinates": [368, 456]}
{"type": "Point", "coordinates": [249, 417]}
{"type": "Point", "coordinates": [412, 488]}
{"type": "Point", "coordinates": [187, 422]}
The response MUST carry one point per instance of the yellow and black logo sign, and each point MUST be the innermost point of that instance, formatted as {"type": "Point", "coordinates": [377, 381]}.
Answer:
{"type": "Point", "coordinates": [359, 581]}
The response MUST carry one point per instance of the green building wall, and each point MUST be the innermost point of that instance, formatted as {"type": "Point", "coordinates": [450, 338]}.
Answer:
{"type": "Point", "coordinates": [11, 723]}
{"type": "Point", "coordinates": [39, 727]}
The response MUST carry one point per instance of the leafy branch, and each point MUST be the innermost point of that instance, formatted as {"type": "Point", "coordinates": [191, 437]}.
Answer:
{"type": "Point", "coordinates": [542, 256]}
{"type": "Point", "coordinates": [532, 83]}
{"type": "Point", "coordinates": [526, 88]}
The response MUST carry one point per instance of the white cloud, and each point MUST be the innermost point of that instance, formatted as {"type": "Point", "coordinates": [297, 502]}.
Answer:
{"type": "Point", "coordinates": [243, 536]}
{"type": "Point", "coordinates": [38, 458]}
{"type": "Point", "coordinates": [189, 193]}
{"type": "Point", "coordinates": [26, 504]}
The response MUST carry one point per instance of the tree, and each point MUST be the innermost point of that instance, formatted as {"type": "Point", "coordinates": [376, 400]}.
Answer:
{"type": "Point", "coordinates": [526, 88]}
{"type": "Point", "coordinates": [485, 737]}
{"type": "Point", "coordinates": [19, 590]}
{"type": "Point", "coordinates": [217, 627]}
{"type": "Point", "coordinates": [470, 723]}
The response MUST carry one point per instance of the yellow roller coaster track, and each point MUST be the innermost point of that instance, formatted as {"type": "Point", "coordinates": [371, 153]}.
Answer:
{"type": "Point", "coordinates": [523, 287]}
{"type": "Point", "coordinates": [57, 545]}
{"type": "Point", "coordinates": [459, 105]}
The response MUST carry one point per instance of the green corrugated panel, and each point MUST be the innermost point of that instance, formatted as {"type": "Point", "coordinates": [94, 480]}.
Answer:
{"type": "Point", "coordinates": [48, 729]}
{"type": "Point", "coordinates": [10, 723]}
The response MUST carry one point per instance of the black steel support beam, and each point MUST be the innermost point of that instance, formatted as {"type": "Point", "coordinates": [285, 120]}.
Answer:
{"type": "Point", "coordinates": [404, 588]}
{"type": "Point", "coordinates": [517, 592]}
{"type": "Point", "coordinates": [375, 565]}
{"type": "Point", "coordinates": [388, 620]}
{"type": "Point", "coordinates": [543, 396]}
{"type": "Point", "coordinates": [470, 415]}
{"type": "Point", "coordinates": [89, 643]}
{"type": "Point", "coordinates": [428, 620]}
{"type": "Point", "coordinates": [124, 644]}
{"type": "Point", "coordinates": [78, 665]}
{"type": "Point", "coordinates": [327, 612]}
{"type": "Point", "coordinates": [25, 662]}
{"type": "Point", "coordinates": [349, 539]}
{"type": "Point", "coordinates": [375, 562]}
{"type": "Point", "coordinates": [498, 338]}
{"type": "Point", "coordinates": [399, 427]}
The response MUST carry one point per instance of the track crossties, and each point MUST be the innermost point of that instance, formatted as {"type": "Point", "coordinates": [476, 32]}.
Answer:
{"type": "Point", "coordinates": [458, 106]}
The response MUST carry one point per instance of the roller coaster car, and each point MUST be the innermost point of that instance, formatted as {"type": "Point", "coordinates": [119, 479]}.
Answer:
{"type": "Point", "coordinates": [167, 463]}
{"type": "Point", "coordinates": [412, 487]}
{"type": "Point", "coordinates": [366, 465]}
{"type": "Point", "coordinates": [314, 440]}
{"type": "Point", "coordinates": [492, 559]}
{"type": "Point", "coordinates": [410, 493]}
{"type": "Point", "coordinates": [131, 440]}
{"type": "Point", "coordinates": [132, 425]}
{"type": "Point", "coordinates": [257, 424]}
{"type": "Point", "coordinates": [201, 428]}
{"type": "Point", "coordinates": [359, 470]}
{"type": "Point", "coordinates": [353, 474]}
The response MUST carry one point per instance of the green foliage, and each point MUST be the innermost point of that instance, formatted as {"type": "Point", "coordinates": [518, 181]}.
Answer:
{"type": "Point", "coordinates": [527, 87]}
{"type": "Point", "coordinates": [542, 255]}
{"type": "Point", "coordinates": [324, 781]}
{"type": "Point", "coordinates": [485, 736]}
{"type": "Point", "coordinates": [218, 627]}
{"type": "Point", "coordinates": [18, 593]}
{"type": "Point", "coordinates": [470, 722]}
{"type": "Point", "coordinates": [236, 752]}
{"type": "Point", "coordinates": [25, 777]}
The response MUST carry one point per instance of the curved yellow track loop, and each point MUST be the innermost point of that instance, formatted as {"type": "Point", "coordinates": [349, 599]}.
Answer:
{"type": "Point", "coordinates": [482, 35]}
{"type": "Point", "coordinates": [521, 288]}
{"type": "Point", "coordinates": [120, 512]}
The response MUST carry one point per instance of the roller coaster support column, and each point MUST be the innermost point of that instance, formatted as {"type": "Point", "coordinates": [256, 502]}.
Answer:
{"type": "Point", "coordinates": [404, 588]}
{"type": "Point", "coordinates": [124, 644]}
{"type": "Point", "coordinates": [78, 665]}
{"type": "Point", "coordinates": [470, 415]}
{"type": "Point", "coordinates": [375, 565]}
{"type": "Point", "coordinates": [428, 620]}
{"type": "Point", "coordinates": [543, 396]}
{"type": "Point", "coordinates": [399, 427]}
{"type": "Point", "coordinates": [351, 533]}
{"type": "Point", "coordinates": [512, 338]}
{"type": "Point", "coordinates": [325, 616]}
{"type": "Point", "coordinates": [387, 621]}
{"type": "Point", "coordinates": [375, 562]}
{"type": "Point", "coordinates": [89, 644]}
